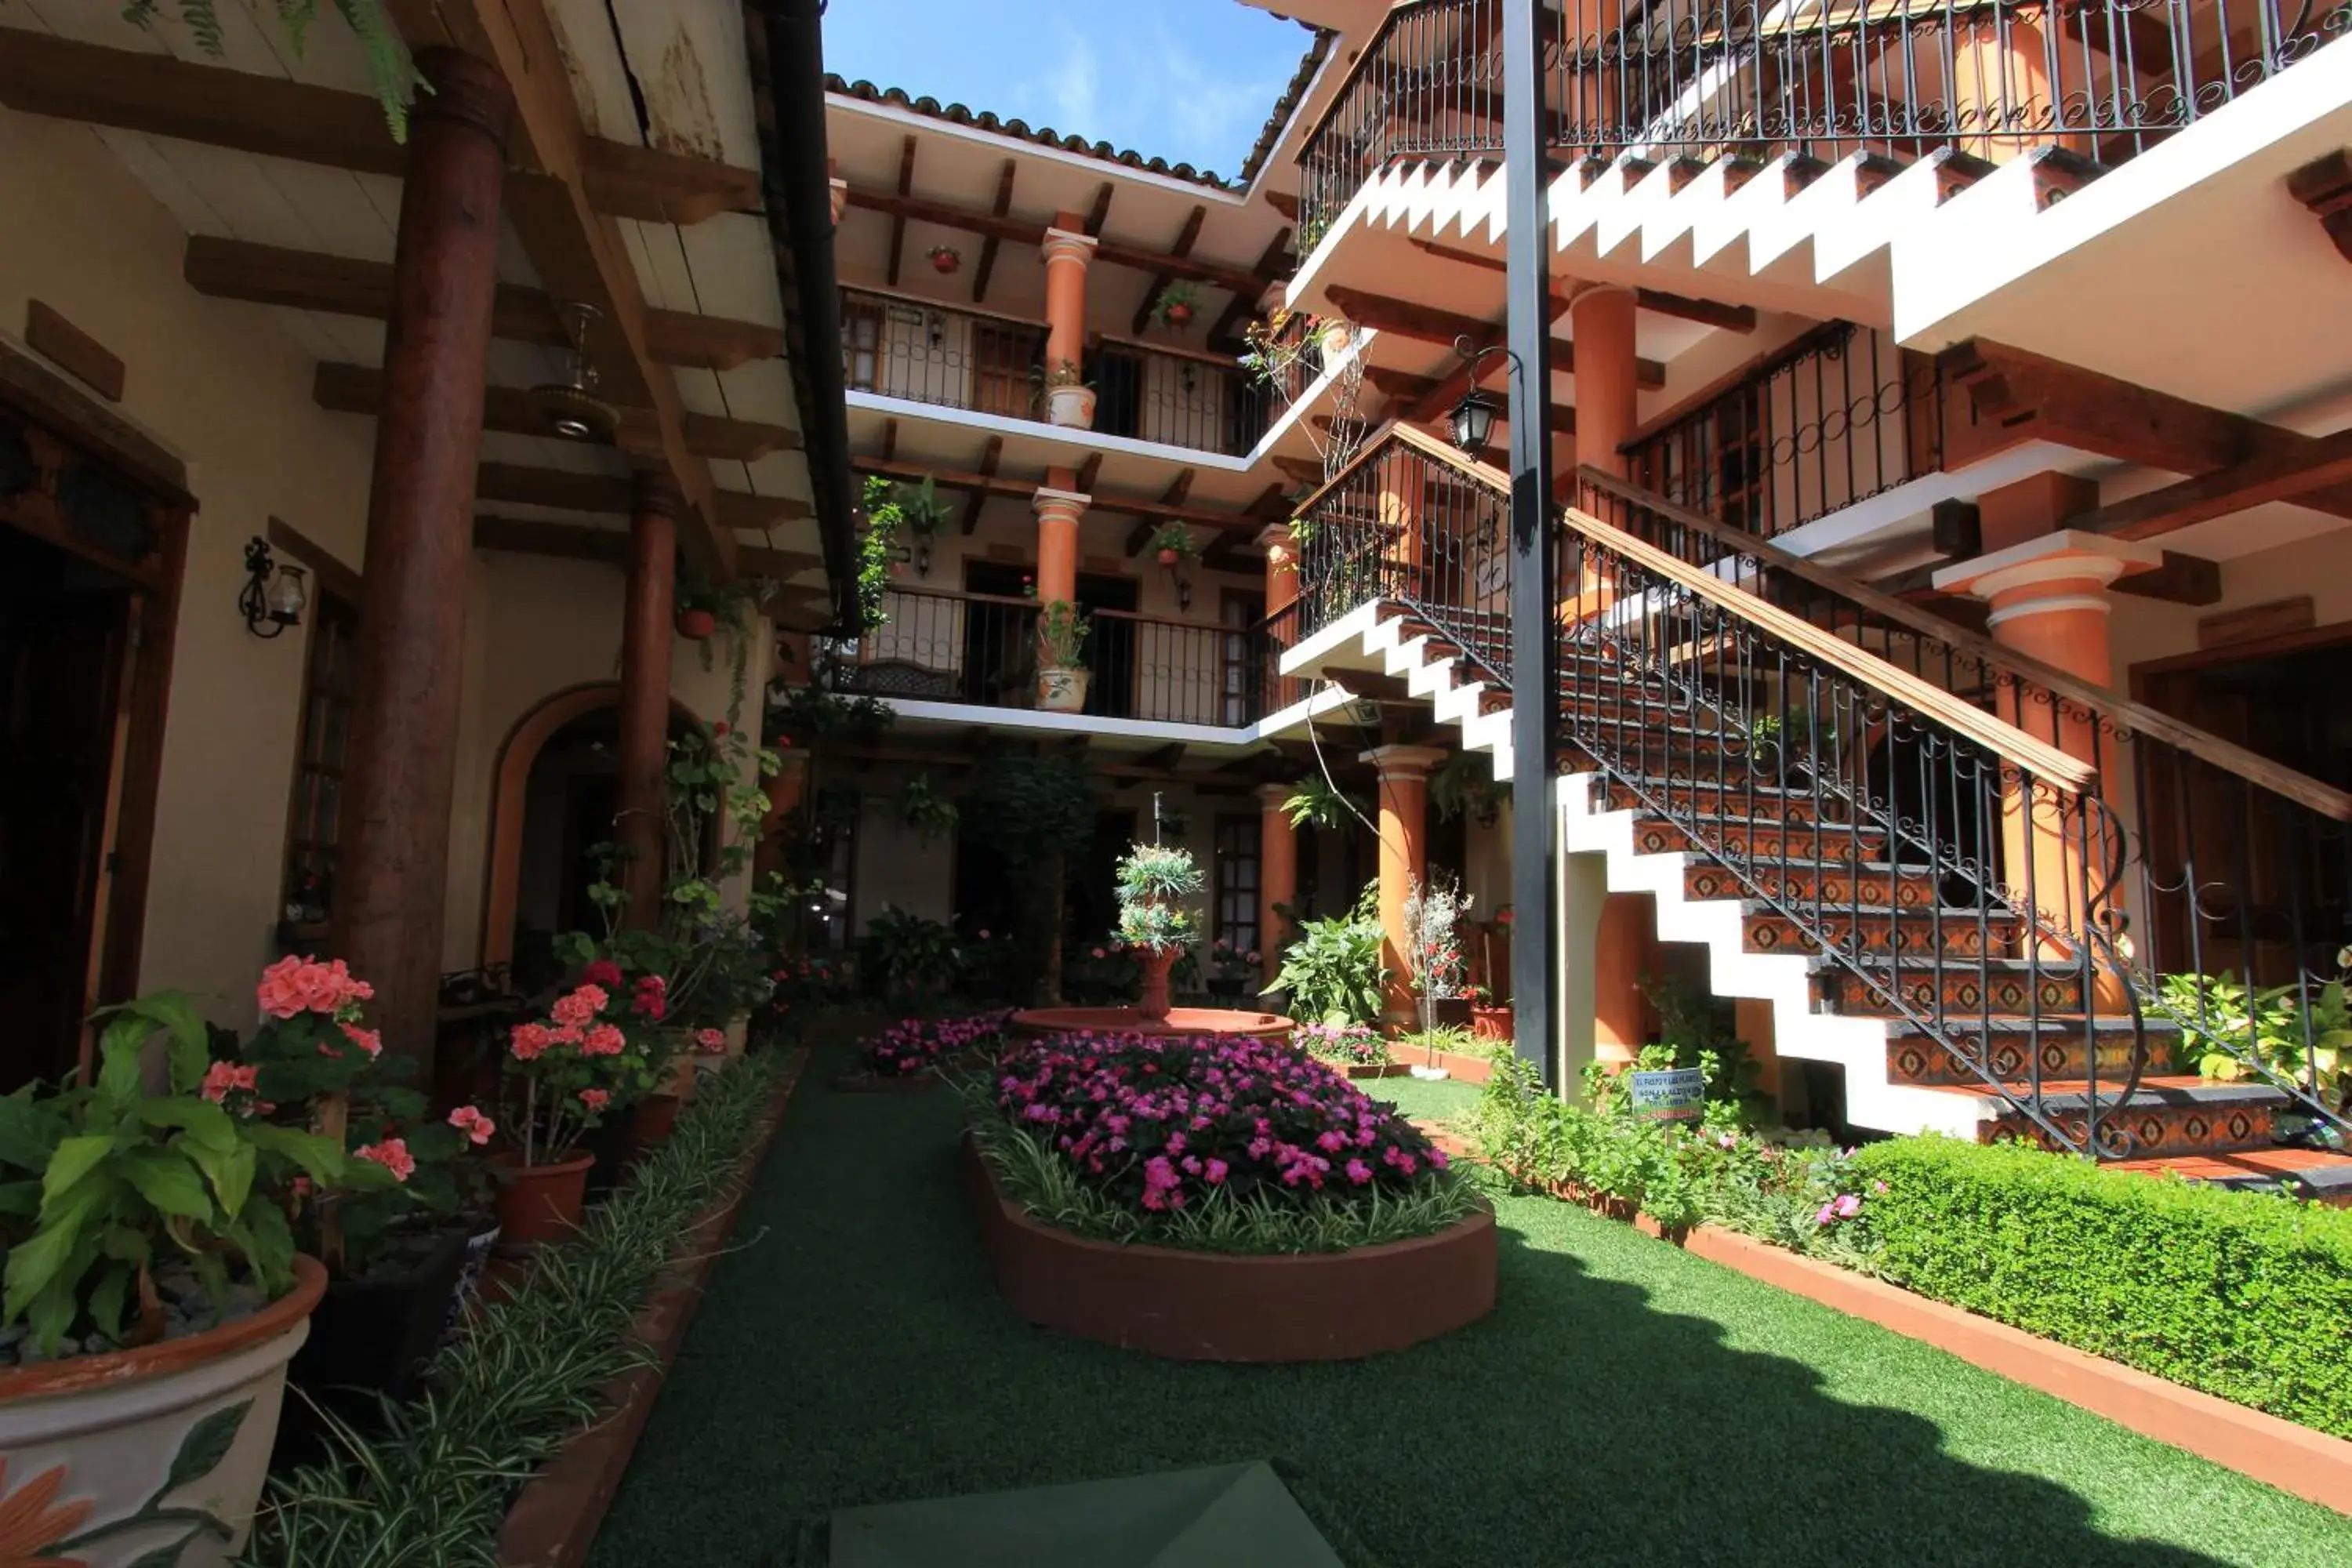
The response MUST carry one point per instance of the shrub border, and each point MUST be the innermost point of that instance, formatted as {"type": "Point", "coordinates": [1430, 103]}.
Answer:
{"type": "Point", "coordinates": [2269, 1449]}
{"type": "Point", "coordinates": [554, 1519]}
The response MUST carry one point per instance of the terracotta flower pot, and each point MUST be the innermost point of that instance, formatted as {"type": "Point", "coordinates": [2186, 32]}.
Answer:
{"type": "Point", "coordinates": [1492, 1023]}
{"type": "Point", "coordinates": [90, 1443]}
{"type": "Point", "coordinates": [1153, 1003]}
{"type": "Point", "coordinates": [1179, 315]}
{"type": "Point", "coordinates": [651, 1121]}
{"type": "Point", "coordinates": [539, 1203]}
{"type": "Point", "coordinates": [945, 262]}
{"type": "Point", "coordinates": [1169, 557]}
{"type": "Point", "coordinates": [697, 625]}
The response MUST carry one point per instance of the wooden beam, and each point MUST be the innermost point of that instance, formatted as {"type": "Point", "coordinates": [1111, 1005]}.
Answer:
{"type": "Point", "coordinates": [1161, 758]}
{"type": "Point", "coordinates": [1427, 324]}
{"type": "Point", "coordinates": [1710, 312]}
{"type": "Point", "coordinates": [889, 438]}
{"type": "Point", "coordinates": [1178, 489]}
{"type": "Point", "coordinates": [359, 389]}
{"type": "Point", "coordinates": [135, 90]}
{"type": "Point", "coordinates": [992, 455]}
{"type": "Point", "coordinates": [1099, 214]}
{"type": "Point", "coordinates": [1185, 239]}
{"type": "Point", "coordinates": [999, 208]}
{"type": "Point", "coordinates": [2017, 396]}
{"type": "Point", "coordinates": [307, 281]}
{"type": "Point", "coordinates": [1019, 231]}
{"type": "Point", "coordinates": [898, 220]}
{"type": "Point", "coordinates": [1285, 203]}
{"type": "Point", "coordinates": [566, 540]}
{"type": "Point", "coordinates": [2181, 580]}
{"type": "Point", "coordinates": [1016, 489]}
{"type": "Point", "coordinates": [1305, 470]}
{"type": "Point", "coordinates": [777, 564]}
{"type": "Point", "coordinates": [2287, 473]}
{"type": "Point", "coordinates": [1271, 262]}
{"type": "Point", "coordinates": [2323, 186]}
{"type": "Point", "coordinates": [1084, 478]}
{"type": "Point", "coordinates": [517, 484]}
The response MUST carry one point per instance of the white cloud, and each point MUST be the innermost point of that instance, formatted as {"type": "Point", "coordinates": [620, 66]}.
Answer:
{"type": "Point", "coordinates": [1071, 90]}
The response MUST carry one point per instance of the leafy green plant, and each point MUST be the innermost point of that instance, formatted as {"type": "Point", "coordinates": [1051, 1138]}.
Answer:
{"type": "Point", "coordinates": [1698, 1027]}
{"type": "Point", "coordinates": [904, 954]}
{"type": "Point", "coordinates": [2230, 1031]}
{"type": "Point", "coordinates": [1062, 629]}
{"type": "Point", "coordinates": [921, 509]}
{"type": "Point", "coordinates": [1174, 539]}
{"type": "Point", "coordinates": [1333, 972]}
{"type": "Point", "coordinates": [924, 808]}
{"type": "Point", "coordinates": [1432, 917]}
{"type": "Point", "coordinates": [1152, 883]}
{"type": "Point", "coordinates": [1465, 782]}
{"type": "Point", "coordinates": [1315, 802]}
{"type": "Point", "coordinates": [878, 549]}
{"type": "Point", "coordinates": [106, 1183]}
{"type": "Point", "coordinates": [390, 72]}
{"type": "Point", "coordinates": [1033, 812]}
{"type": "Point", "coordinates": [1175, 303]}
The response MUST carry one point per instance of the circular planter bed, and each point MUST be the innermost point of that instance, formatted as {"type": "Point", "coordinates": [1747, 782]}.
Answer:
{"type": "Point", "coordinates": [1203, 1306]}
{"type": "Point", "coordinates": [1214, 1021]}
{"type": "Point", "coordinates": [113, 1459]}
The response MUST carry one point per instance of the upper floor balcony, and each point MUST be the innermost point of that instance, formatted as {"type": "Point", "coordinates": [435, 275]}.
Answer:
{"type": "Point", "coordinates": [901, 346]}
{"type": "Point", "coordinates": [2099, 80]}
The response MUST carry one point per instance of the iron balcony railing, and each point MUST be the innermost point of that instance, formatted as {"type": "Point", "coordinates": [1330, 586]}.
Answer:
{"type": "Point", "coordinates": [1838, 416]}
{"type": "Point", "coordinates": [2056, 892]}
{"type": "Point", "coordinates": [980, 650]}
{"type": "Point", "coordinates": [900, 346]}
{"type": "Point", "coordinates": [2100, 78]}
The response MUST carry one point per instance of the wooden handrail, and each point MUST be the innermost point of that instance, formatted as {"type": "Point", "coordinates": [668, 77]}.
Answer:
{"type": "Point", "coordinates": [2002, 739]}
{"type": "Point", "coordinates": [2127, 715]}
{"type": "Point", "coordinates": [1428, 446]}
{"type": "Point", "coordinates": [963, 596]}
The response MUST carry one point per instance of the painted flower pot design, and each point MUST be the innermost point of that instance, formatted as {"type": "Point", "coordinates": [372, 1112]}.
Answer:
{"type": "Point", "coordinates": [540, 1203]}
{"type": "Point", "coordinates": [153, 1455]}
{"type": "Point", "coordinates": [1073, 407]}
{"type": "Point", "coordinates": [1061, 690]}
{"type": "Point", "coordinates": [697, 625]}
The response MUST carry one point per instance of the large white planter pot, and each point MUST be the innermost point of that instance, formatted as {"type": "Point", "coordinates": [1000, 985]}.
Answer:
{"type": "Point", "coordinates": [1071, 405]}
{"type": "Point", "coordinates": [142, 1450]}
{"type": "Point", "coordinates": [1062, 690]}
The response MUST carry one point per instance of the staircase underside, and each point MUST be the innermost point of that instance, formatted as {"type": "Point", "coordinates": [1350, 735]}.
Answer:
{"type": "Point", "coordinates": [1898, 1077]}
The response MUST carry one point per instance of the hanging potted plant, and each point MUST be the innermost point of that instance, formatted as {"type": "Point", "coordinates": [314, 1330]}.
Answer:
{"type": "Point", "coordinates": [1062, 631]}
{"type": "Point", "coordinates": [923, 514]}
{"type": "Point", "coordinates": [1334, 333]}
{"type": "Point", "coordinates": [1175, 305]}
{"type": "Point", "coordinates": [1154, 883]}
{"type": "Point", "coordinates": [1174, 541]}
{"type": "Point", "coordinates": [1069, 400]}
{"type": "Point", "coordinates": [945, 258]}
{"type": "Point", "coordinates": [158, 1290]}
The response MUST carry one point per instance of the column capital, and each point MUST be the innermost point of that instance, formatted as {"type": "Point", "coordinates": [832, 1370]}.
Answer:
{"type": "Point", "coordinates": [1276, 538]}
{"type": "Point", "coordinates": [1067, 245]}
{"type": "Point", "coordinates": [1402, 761]}
{"type": "Point", "coordinates": [2066, 569]}
{"type": "Point", "coordinates": [1273, 794]}
{"type": "Point", "coordinates": [652, 493]}
{"type": "Point", "coordinates": [840, 189]}
{"type": "Point", "coordinates": [466, 91]}
{"type": "Point", "coordinates": [1049, 503]}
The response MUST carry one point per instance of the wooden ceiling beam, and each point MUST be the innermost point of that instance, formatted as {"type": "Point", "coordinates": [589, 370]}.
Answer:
{"type": "Point", "coordinates": [359, 389]}
{"type": "Point", "coordinates": [132, 90]}
{"type": "Point", "coordinates": [992, 455]}
{"type": "Point", "coordinates": [1426, 323]}
{"type": "Point", "coordinates": [2323, 186]}
{"type": "Point", "coordinates": [2288, 474]}
{"type": "Point", "coordinates": [1272, 263]}
{"type": "Point", "coordinates": [1084, 479]}
{"type": "Point", "coordinates": [520, 484]}
{"type": "Point", "coordinates": [999, 208]}
{"type": "Point", "coordinates": [898, 220]}
{"type": "Point", "coordinates": [1185, 239]}
{"type": "Point", "coordinates": [610, 546]}
{"type": "Point", "coordinates": [1100, 213]}
{"type": "Point", "coordinates": [1657, 301]}
{"type": "Point", "coordinates": [1019, 231]}
{"type": "Point", "coordinates": [1018, 490]}
{"type": "Point", "coordinates": [1178, 489]}
{"type": "Point", "coordinates": [338, 285]}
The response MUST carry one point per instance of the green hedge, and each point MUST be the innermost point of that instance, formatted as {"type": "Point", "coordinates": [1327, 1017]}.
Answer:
{"type": "Point", "coordinates": [2245, 1296]}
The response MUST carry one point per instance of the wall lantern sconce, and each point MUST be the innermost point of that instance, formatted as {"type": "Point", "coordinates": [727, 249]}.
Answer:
{"type": "Point", "coordinates": [1473, 419]}
{"type": "Point", "coordinates": [273, 597]}
{"type": "Point", "coordinates": [922, 558]}
{"type": "Point", "coordinates": [936, 326]}
{"type": "Point", "coordinates": [1183, 592]}
{"type": "Point", "coordinates": [1191, 381]}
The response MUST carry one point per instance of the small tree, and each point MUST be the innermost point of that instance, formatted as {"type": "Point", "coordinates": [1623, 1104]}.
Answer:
{"type": "Point", "coordinates": [1035, 812]}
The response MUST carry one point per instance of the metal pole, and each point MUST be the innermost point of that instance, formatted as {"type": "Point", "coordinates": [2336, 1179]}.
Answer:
{"type": "Point", "coordinates": [1534, 683]}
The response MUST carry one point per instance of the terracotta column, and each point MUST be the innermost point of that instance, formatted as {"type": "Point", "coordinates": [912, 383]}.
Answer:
{"type": "Point", "coordinates": [1067, 249]}
{"type": "Point", "coordinates": [2000, 83]}
{"type": "Point", "coordinates": [1281, 592]}
{"type": "Point", "coordinates": [1624, 949]}
{"type": "Point", "coordinates": [1405, 818]}
{"type": "Point", "coordinates": [1058, 510]}
{"type": "Point", "coordinates": [2050, 600]}
{"type": "Point", "coordinates": [392, 864]}
{"type": "Point", "coordinates": [646, 641]}
{"type": "Point", "coordinates": [1277, 875]}
{"type": "Point", "coordinates": [1600, 323]}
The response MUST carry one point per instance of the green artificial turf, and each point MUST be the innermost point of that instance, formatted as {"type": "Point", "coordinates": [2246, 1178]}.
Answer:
{"type": "Point", "coordinates": [1626, 1403]}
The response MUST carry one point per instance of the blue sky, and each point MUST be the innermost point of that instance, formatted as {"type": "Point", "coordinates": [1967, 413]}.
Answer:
{"type": "Point", "coordinates": [1188, 80]}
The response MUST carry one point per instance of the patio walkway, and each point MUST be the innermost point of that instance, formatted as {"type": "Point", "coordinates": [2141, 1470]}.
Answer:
{"type": "Point", "coordinates": [1626, 1403]}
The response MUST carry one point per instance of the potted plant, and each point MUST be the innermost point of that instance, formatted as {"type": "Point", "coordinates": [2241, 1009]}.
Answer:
{"type": "Point", "coordinates": [157, 1289]}
{"type": "Point", "coordinates": [1061, 658]}
{"type": "Point", "coordinates": [945, 258]}
{"type": "Point", "coordinates": [1069, 399]}
{"type": "Point", "coordinates": [1432, 914]}
{"type": "Point", "coordinates": [1334, 333]}
{"type": "Point", "coordinates": [1174, 541]}
{"type": "Point", "coordinates": [1154, 882]}
{"type": "Point", "coordinates": [1176, 304]}
{"type": "Point", "coordinates": [569, 1063]}
{"type": "Point", "coordinates": [697, 610]}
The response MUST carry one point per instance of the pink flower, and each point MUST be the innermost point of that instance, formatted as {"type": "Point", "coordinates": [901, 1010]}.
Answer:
{"type": "Point", "coordinates": [223, 1079]}
{"type": "Point", "coordinates": [369, 1040]}
{"type": "Point", "coordinates": [711, 1040]}
{"type": "Point", "coordinates": [576, 1009]}
{"type": "Point", "coordinates": [476, 1126]}
{"type": "Point", "coordinates": [297, 984]}
{"type": "Point", "coordinates": [393, 1155]}
{"type": "Point", "coordinates": [650, 1004]}
{"type": "Point", "coordinates": [1098, 952]}
{"type": "Point", "coordinates": [1215, 1174]}
{"type": "Point", "coordinates": [604, 1040]}
{"type": "Point", "coordinates": [604, 973]}
{"type": "Point", "coordinates": [1847, 1206]}
{"type": "Point", "coordinates": [983, 936]}
{"type": "Point", "coordinates": [1251, 956]}
{"type": "Point", "coordinates": [529, 1040]}
{"type": "Point", "coordinates": [1828, 1216]}
{"type": "Point", "coordinates": [1359, 1173]}
{"type": "Point", "coordinates": [595, 1099]}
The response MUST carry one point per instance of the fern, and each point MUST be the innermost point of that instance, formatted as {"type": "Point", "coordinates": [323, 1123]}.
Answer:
{"type": "Point", "coordinates": [390, 72]}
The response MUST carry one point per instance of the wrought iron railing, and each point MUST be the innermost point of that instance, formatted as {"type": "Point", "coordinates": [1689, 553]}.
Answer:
{"type": "Point", "coordinates": [2012, 866]}
{"type": "Point", "coordinates": [980, 650]}
{"type": "Point", "coordinates": [2102, 79]}
{"type": "Point", "coordinates": [1839, 415]}
{"type": "Point", "coordinates": [900, 346]}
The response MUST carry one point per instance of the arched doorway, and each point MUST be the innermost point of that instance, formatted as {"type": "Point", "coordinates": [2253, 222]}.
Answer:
{"type": "Point", "coordinates": [552, 799]}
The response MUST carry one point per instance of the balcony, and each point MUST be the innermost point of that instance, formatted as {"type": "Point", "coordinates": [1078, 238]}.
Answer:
{"type": "Point", "coordinates": [979, 650]}
{"type": "Point", "coordinates": [895, 345]}
{"type": "Point", "coordinates": [2100, 80]}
